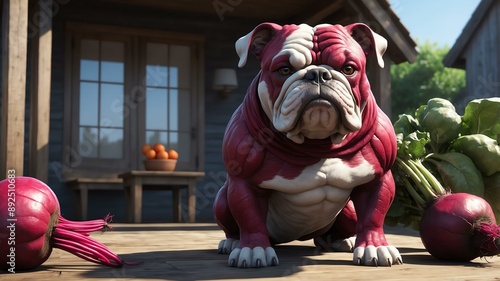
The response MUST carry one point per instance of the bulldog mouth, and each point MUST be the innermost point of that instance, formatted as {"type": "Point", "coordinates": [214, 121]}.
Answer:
{"type": "Point", "coordinates": [319, 119]}
{"type": "Point", "coordinates": [309, 111]}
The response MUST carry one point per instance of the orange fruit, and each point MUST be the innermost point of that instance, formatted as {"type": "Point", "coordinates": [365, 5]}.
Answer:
{"type": "Point", "coordinates": [172, 154]}
{"type": "Point", "coordinates": [162, 155]}
{"type": "Point", "coordinates": [150, 154]}
{"type": "Point", "coordinates": [159, 147]}
{"type": "Point", "coordinates": [145, 148]}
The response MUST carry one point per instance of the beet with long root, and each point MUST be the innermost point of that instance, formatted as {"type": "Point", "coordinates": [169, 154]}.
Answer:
{"type": "Point", "coordinates": [31, 225]}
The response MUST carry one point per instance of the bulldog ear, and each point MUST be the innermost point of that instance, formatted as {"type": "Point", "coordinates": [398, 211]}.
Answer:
{"type": "Point", "coordinates": [255, 41]}
{"type": "Point", "coordinates": [369, 40]}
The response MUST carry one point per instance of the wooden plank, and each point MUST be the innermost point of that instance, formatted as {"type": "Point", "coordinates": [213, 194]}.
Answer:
{"type": "Point", "coordinates": [41, 69]}
{"type": "Point", "coordinates": [391, 31]}
{"type": "Point", "coordinates": [14, 53]}
{"type": "Point", "coordinates": [183, 251]}
{"type": "Point", "coordinates": [380, 82]}
{"type": "Point", "coordinates": [319, 13]}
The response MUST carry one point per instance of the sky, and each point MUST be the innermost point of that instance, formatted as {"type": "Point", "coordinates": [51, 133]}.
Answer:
{"type": "Point", "coordinates": [439, 21]}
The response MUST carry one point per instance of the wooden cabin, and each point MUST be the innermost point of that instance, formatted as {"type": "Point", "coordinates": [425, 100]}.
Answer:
{"type": "Point", "coordinates": [85, 83]}
{"type": "Point", "coordinates": [477, 50]}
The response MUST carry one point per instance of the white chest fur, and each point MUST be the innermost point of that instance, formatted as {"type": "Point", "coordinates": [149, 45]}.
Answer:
{"type": "Point", "coordinates": [313, 199]}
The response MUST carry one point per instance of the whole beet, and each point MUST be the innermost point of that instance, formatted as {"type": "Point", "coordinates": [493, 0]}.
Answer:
{"type": "Point", "coordinates": [31, 225]}
{"type": "Point", "coordinates": [460, 227]}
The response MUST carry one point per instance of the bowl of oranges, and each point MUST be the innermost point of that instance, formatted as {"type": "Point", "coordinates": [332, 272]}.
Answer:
{"type": "Point", "coordinates": [158, 158]}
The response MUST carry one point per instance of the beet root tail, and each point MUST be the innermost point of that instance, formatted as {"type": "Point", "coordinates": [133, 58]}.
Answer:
{"type": "Point", "coordinates": [487, 235]}
{"type": "Point", "coordinates": [85, 227]}
{"type": "Point", "coordinates": [74, 237]}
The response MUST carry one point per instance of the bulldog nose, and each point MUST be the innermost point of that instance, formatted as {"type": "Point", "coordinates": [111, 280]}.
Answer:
{"type": "Point", "coordinates": [318, 75]}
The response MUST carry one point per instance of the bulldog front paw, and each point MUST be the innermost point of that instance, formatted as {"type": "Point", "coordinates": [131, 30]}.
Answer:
{"type": "Point", "coordinates": [381, 255]}
{"type": "Point", "coordinates": [344, 245]}
{"type": "Point", "coordinates": [256, 257]}
{"type": "Point", "coordinates": [226, 246]}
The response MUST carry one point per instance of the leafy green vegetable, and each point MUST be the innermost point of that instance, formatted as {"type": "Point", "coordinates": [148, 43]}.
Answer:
{"type": "Point", "coordinates": [482, 116]}
{"type": "Point", "coordinates": [459, 152]}
{"type": "Point", "coordinates": [458, 172]}
{"type": "Point", "coordinates": [443, 125]}
{"type": "Point", "coordinates": [440, 119]}
{"type": "Point", "coordinates": [405, 125]}
{"type": "Point", "coordinates": [413, 145]}
{"type": "Point", "coordinates": [483, 150]}
{"type": "Point", "coordinates": [439, 103]}
{"type": "Point", "coordinates": [492, 193]}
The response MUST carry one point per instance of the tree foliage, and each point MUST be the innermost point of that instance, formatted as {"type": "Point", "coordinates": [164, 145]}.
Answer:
{"type": "Point", "coordinates": [414, 84]}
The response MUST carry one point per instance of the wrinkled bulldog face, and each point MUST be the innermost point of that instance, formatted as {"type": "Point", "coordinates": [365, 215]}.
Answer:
{"type": "Point", "coordinates": [313, 80]}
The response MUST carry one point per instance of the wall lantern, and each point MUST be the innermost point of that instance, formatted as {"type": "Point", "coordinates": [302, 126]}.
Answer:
{"type": "Point", "coordinates": [225, 81]}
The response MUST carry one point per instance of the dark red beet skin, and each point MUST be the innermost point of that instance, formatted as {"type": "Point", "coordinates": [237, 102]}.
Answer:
{"type": "Point", "coordinates": [31, 225]}
{"type": "Point", "coordinates": [34, 217]}
{"type": "Point", "coordinates": [460, 227]}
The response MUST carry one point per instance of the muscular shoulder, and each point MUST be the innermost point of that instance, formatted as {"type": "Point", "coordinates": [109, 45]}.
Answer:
{"type": "Point", "coordinates": [242, 153]}
{"type": "Point", "coordinates": [384, 142]}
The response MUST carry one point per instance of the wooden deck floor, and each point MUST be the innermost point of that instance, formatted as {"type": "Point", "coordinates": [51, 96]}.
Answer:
{"type": "Point", "coordinates": [188, 252]}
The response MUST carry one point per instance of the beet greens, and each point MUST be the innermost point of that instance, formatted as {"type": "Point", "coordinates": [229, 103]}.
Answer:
{"type": "Point", "coordinates": [439, 147]}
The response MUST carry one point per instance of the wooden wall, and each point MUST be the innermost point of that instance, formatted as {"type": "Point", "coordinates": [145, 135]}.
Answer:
{"type": "Point", "coordinates": [482, 56]}
{"type": "Point", "coordinates": [219, 52]}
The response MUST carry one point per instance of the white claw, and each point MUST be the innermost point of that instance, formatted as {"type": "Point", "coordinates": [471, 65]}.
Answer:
{"type": "Point", "coordinates": [256, 257]}
{"type": "Point", "coordinates": [233, 257]}
{"type": "Point", "coordinates": [382, 255]}
{"type": "Point", "coordinates": [271, 257]}
{"type": "Point", "coordinates": [358, 254]}
{"type": "Point", "coordinates": [395, 255]}
{"type": "Point", "coordinates": [345, 245]}
{"type": "Point", "coordinates": [227, 245]}
{"type": "Point", "coordinates": [370, 255]}
{"type": "Point", "coordinates": [244, 257]}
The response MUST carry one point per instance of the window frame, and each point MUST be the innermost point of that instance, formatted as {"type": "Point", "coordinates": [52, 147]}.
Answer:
{"type": "Point", "coordinates": [135, 40]}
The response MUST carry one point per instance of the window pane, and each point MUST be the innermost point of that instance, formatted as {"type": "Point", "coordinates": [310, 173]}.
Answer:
{"type": "Point", "coordinates": [112, 58]}
{"type": "Point", "coordinates": [180, 62]}
{"type": "Point", "coordinates": [111, 105]}
{"type": "Point", "coordinates": [88, 103]}
{"type": "Point", "coordinates": [89, 70]}
{"type": "Point", "coordinates": [174, 77]}
{"type": "Point", "coordinates": [112, 72]}
{"type": "Point", "coordinates": [156, 109]}
{"type": "Point", "coordinates": [153, 137]}
{"type": "Point", "coordinates": [156, 75]}
{"type": "Point", "coordinates": [173, 110]}
{"type": "Point", "coordinates": [87, 145]}
{"type": "Point", "coordinates": [111, 143]}
{"type": "Point", "coordinates": [156, 64]}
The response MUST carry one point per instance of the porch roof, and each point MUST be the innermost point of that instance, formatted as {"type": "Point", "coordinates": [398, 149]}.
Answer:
{"type": "Point", "coordinates": [455, 57]}
{"type": "Point", "coordinates": [378, 14]}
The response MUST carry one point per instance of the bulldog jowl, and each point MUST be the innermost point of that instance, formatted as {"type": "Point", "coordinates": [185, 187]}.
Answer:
{"type": "Point", "coordinates": [308, 153]}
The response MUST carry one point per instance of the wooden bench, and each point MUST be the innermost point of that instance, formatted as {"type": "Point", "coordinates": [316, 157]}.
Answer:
{"type": "Point", "coordinates": [81, 187]}
{"type": "Point", "coordinates": [135, 181]}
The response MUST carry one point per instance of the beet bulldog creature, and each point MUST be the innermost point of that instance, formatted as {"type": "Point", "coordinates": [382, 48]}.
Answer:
{"type": "Point", "coordinates": [308, 153]}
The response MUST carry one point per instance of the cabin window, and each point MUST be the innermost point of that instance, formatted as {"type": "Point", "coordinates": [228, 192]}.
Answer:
{"type": "Point", "coordinates": [101, 91]}
{"type": "Point", "coordinates": [128, 87]}
{"type": "Point", "coordinates": [168, 89]}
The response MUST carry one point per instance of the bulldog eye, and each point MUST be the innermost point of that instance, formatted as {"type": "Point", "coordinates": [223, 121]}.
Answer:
{"type": "Point", "coordinates": [285, 71]}
{"type": "Point", "coordinates": [348, 70]}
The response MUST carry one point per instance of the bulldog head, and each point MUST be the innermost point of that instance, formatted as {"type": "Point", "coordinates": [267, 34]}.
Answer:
{"type": "Point", "coordinates": [313, 82]}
